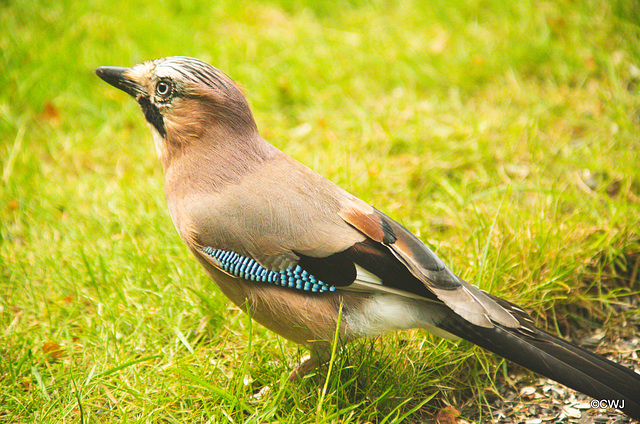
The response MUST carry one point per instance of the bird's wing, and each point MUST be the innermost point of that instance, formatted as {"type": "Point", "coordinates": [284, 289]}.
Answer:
{"type": "Point", "coordinates": [305, 221]}
{"type": "Point", "coordinates": [429, 271]}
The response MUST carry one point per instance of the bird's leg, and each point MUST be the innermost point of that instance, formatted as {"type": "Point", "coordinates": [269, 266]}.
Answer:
{"type": "Point", "coordinates": [309, 362]}
{"type": "Point", "coordinates": [320, 353]}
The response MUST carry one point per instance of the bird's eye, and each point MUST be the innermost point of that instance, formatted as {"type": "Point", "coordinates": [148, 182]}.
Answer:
{"type": "Point", "coordinates": [163, 88]}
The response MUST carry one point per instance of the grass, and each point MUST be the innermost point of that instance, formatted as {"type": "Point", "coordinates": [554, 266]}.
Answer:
{"type": "Point", "coordinates": [505, 134]}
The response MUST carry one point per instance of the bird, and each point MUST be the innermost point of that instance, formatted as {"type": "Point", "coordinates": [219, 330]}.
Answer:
{"type": "Point", "coordinates": [307, 259]}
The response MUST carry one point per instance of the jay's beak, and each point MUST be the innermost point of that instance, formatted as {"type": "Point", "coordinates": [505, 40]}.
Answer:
{"type": "Point", "coordinates": [117, 76]}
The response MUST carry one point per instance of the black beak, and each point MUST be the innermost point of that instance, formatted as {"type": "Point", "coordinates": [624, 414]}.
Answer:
{"type": "Point", "coordinates": [117, 77]}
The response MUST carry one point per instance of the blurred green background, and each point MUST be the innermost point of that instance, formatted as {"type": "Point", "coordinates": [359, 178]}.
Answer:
{"type": "Point", "coordinates": [504, 134]}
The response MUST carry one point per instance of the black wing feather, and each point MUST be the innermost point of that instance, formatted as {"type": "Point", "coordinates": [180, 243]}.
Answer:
{"type": "Point", "coordinates": [339, 269]}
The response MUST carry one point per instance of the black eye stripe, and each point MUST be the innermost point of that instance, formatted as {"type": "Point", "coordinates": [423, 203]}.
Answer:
{"type": "Point", "coordinates": [153, 115]}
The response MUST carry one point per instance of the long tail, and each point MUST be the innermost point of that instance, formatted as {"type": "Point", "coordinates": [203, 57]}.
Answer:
{"type": "Point", "coordinates": [556, 359]}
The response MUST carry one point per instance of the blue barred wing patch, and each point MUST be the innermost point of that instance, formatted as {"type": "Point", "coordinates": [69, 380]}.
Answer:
{"type": "Point", "coordinates": [249, 269]}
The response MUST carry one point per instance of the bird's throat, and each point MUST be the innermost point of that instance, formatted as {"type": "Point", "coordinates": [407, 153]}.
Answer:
{"type": "Point", "coordinates": [158, 141]}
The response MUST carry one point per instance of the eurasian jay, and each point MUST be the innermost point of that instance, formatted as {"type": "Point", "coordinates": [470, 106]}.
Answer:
{"type": "Point", "coordinates": [298, 250]}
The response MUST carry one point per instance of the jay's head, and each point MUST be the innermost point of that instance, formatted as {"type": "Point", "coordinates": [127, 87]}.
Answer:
{"type": "Point", "coordinates": [184, 100]}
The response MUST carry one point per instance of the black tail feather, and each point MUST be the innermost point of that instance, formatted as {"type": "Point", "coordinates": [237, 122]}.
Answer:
{"type": "Point", "coordinates": [556, 359]}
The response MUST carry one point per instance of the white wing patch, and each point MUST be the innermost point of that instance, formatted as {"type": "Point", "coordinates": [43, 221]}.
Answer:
{"type": "Point", "coordinates": [390, 309]}
{"type": "Point", "coordinates": [368, 282]}
{"type": "Point", "coordinates": [362, 275]}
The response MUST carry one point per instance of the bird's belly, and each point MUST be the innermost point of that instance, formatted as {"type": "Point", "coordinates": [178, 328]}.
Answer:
{"type": "Point", "coordinates": [305, 318]}
{"type": "Point", "coordinates": [385, 312]}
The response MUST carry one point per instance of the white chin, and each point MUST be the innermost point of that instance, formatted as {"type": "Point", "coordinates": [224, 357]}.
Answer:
{"type": "Point", "coordinates": [158, 141]}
